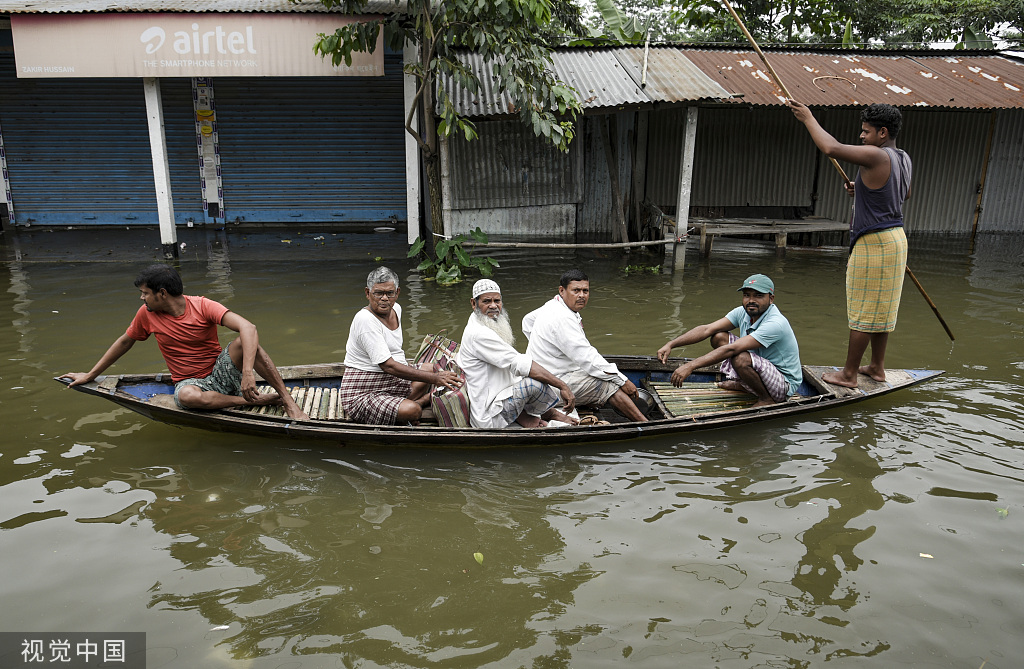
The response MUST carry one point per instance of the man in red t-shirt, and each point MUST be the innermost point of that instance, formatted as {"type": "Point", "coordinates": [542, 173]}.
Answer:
{"type": "Point", "coordinates": [205, 377]}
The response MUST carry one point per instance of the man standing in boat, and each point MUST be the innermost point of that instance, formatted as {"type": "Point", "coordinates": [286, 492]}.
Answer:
{"type": "Point", "coordinates": [185, 326]}
{"type": "Point", "coordinates": [878, 245]}
{"type": "Point", "coordinates": [558, 343]}
{"type": "Point", "coordinates": [764, 359]}
{"type": "Point", "coordinates": [379, 386]}
{"type": "Point", "coordinates": [504, 385]}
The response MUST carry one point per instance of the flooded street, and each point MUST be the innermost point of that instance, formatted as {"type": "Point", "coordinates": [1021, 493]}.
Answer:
{"type": "Point", "coordinates": [887, 533]}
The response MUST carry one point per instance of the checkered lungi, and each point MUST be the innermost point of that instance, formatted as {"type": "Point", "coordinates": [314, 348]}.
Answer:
{"type": "Point", "coordinates": [774, 381]}
{"type": "Point", "coordinates": [874, 280]}
{"type": "Point", "coordinates": [589, 390]}
{"type": "Point", "coordinates": [224, 378]}
{"type": "Point", "coordinates": [372, 397]}
{"type": "Point", "coordinates": [531, 396]}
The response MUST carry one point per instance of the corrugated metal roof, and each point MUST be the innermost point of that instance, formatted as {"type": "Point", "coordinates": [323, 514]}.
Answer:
{"type": "Point", "coordinates": [604, 79]}
{"type": "Point", "coordinates": [849, 79]}
{"type": "Point", "coordinates": [598, 77]}
{"type": "Point", "coordinates": [671, 77]}
{"type": "Point", "coordinates": [145, 6]}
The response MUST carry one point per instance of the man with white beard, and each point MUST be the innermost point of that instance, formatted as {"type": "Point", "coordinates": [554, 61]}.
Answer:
{"type": "Point", "coordinates": [504, 385]}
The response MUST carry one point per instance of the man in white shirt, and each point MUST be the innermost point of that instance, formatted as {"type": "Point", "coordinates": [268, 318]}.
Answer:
{"type": "Point", "coordinates": [557, 342]}
{"type": "Point", "coordinates": [379, 386]}
{"type": "Point", "coordinates": [504, 385]}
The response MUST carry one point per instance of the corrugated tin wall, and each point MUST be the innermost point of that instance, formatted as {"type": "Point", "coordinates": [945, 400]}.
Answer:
{"type": "Point", "coordinates": [664, 147]}
{"type": "Point", "coordinates": [742, 157]}
{"type": "Point", "coordinates": [832, 201]}
{"type": "Point", "coordinates": [947, 149]}
{"type": "Point", "coordinates": [595, 220]}
{"type": "Point", "coordinates": [1003, 203]}
{"type": "Point", "coordinates": [508, 166]}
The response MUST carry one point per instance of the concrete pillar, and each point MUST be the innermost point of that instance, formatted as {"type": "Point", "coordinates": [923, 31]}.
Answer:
{"type": "Point", "coordinates": [413, 190]}
{"type": "Point", "coordinates": [161, 170]}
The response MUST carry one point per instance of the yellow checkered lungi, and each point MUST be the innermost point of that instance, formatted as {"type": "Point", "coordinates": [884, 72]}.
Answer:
{"type": "Point", "coordinates": [874, 280]}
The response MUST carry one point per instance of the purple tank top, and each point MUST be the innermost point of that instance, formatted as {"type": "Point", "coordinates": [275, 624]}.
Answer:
{"type": "Point", "coordinates": [878, 209]}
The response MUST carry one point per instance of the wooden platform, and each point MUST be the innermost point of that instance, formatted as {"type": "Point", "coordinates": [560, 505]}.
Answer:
{"type": "Point", "coordinates": [709, 228]}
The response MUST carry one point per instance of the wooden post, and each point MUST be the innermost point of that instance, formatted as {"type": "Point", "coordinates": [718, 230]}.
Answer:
{"type": "Point", "coordinates": [412, 153]}
{"type": "Point", "coordinates": [984, 173]}
{"type": "Point", "coordinates": [446, 190]}
{"type": "Point", "coordinates": [686, 175]}
{"type": "Point", "coordinates": [161, 170]}
{"type": "Point", "coordinates": [780, 244]}
{"type": "Point", "coordinates": [613, 174]}
{"type": "Point", "coordinates": [640, 168]}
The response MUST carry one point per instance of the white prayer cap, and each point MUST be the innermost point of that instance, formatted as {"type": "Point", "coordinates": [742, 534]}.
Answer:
{"type": "Point", "coordinates": [485, 286]}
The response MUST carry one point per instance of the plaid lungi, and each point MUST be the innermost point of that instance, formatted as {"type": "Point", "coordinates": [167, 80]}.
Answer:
{"type": "Point", "coordinates": [372, 397]}
{"type": "Point", "coordinates": [530, 396]}
{"type": "Point", "coordinates": [774, 381]}
{"type": "Point", "coordinates": [874, 280]}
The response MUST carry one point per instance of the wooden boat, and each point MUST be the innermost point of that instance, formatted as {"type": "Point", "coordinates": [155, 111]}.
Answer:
{"type": "Point", "coordinates": [698, 405]}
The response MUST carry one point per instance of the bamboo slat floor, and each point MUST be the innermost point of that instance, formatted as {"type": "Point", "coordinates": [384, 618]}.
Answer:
{"type": "Point", "coordinates": [699, 398]}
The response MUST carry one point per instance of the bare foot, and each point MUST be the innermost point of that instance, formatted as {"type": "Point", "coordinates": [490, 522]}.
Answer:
{"type": "Point", "coordinates": [837, 379]}
{"type": "Point", "coordinates": [732, 384]}
{"type": "Point", "coordinates": [266, 398]}
{"type": "Point", "coordinates": [526, 420]}
{"type": "Point", "coordinates": [555, 414]}
{"type": "Point", "coordinates": [867, 370]}
{"type": "Point", "coordinates": [763, 403]}
{"type": "Point", "coordinates": [295, 412]}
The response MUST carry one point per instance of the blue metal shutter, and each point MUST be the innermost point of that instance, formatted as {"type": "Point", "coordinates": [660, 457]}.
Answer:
{"type": "Point", "coordinates": [313, 149]}
{"type": "Point", "coordinates": [77, 150]}
{"type": "Point", "coordinates": [182, 152]}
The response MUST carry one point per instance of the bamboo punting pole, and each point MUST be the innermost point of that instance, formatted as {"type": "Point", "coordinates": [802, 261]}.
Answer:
{"type": "Point", "coordinates": [931, 304]}
{"type": "Point", "coordinates": [771, 71]}
{"type": "Point", "coordinates": [842, 173]}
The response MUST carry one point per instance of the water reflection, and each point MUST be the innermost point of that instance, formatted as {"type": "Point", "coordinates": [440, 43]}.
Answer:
{"type": "Point", "coordinates": [372, 558]}
{"type": "Point", "coordinates": [788, 543]}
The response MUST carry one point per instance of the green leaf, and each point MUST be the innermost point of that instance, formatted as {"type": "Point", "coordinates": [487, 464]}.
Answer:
{"type": "Point", "coordinates": [425, 265]}
{"type": "Point", "coordinates": [976, 39]}
{"type": "Point", "coordinates": [448, 277]}
{"type": "Point", "coordinates": [416, 247]}
{"type": "Point", "coordinates": [848, 33]}
{"type": "Point", "coordinates": [478, 235]}
{"type": "Point", "coordinates": [1003, 513]}
{"type": "Point", "coordinates": [479, 557]}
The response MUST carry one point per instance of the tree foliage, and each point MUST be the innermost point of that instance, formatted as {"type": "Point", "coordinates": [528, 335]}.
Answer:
{"type": "Point", "coordinates": [888, 22]}
{"type": "Point", "coordinates": [513, 36]}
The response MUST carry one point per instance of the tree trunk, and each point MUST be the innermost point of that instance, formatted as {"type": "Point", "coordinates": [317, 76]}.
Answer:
{"type": "Point", "coordinates": [432, 164]}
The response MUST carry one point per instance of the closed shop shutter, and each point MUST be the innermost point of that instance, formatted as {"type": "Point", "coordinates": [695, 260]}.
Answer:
{"type": "Point", "coordinates": [313, 149]}
{"type": "Point", "coordinates": [77, 150]}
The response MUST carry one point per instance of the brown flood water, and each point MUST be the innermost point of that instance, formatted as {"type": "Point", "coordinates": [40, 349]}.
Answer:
{"type": "Point", "coordinates": [797, 543]}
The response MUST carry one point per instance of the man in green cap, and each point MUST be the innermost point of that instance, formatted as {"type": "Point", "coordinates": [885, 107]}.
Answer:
{"type": "Point", "coordinates": [763, 359]}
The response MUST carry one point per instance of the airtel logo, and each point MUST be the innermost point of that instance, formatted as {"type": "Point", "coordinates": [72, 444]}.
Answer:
{"type": "Point", "coordinates": [217, 40]}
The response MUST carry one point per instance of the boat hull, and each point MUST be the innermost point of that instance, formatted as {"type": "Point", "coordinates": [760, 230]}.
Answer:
{"type": "Point", "coordinates": [151, 396]}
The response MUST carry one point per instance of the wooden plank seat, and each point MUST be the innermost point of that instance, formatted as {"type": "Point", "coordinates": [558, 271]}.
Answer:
{"type": "Point", "coordinates": [709, 228]}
